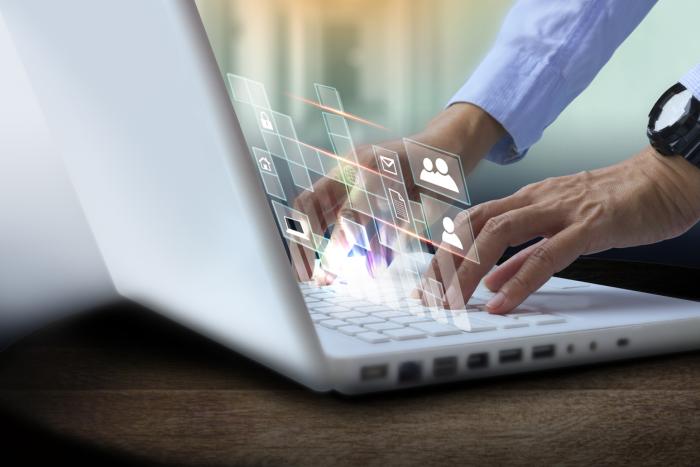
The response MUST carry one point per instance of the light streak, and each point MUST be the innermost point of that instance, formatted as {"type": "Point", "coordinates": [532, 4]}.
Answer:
{"type": "Point", "coordinates": [337, 112]}
{"type": "Point", "coordinates": [342, 159]}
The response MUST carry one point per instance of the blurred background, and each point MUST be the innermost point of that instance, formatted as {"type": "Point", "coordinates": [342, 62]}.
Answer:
{"type": "Point", "coordinates": [397, 62]}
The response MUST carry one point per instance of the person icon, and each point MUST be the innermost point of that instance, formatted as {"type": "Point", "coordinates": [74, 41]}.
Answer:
{"type": "Point", "coordinates": [427, 174]}
{"type": "Point", "coordinates": [448, 235]}
{"type": "Point", "coordinates": [442, 176]}
{"type": "Point", "coordinates": [439, 175]}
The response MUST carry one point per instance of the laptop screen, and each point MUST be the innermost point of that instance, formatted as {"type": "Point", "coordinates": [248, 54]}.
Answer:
{"type": "Point", "coordinates": [328, 98]}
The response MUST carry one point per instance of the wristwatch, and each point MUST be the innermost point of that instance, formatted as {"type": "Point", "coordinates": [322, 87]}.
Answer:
{"type": "Point", "coordinates": [674, 124]}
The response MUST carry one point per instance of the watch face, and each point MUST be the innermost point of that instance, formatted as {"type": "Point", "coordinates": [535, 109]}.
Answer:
{"type": "Point", "coordinates": [675, 108]}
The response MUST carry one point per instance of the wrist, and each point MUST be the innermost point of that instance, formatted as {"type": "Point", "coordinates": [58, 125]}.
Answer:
{"type": "Point", "coordinates": [680, 180]}
{"type": "Point", "coordinates": [466, 130]}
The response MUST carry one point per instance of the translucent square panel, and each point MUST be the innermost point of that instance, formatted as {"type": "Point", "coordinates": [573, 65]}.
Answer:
{"type": "Point", "coordinates": [263, 159]}
{"type": "Point", "coordinates": [273, 143]}
{"type": "Point", "coordinates": [330, 164]}
{"type": "Point", "coordinates": [343, 147]}
{"type": "Point", "coordinates": [300, 176]}
{"type": "Point", "coordinates": [444, 233]}
{"type": "Point", "coordinates": [437, 170]}
{"type": "Point", "coordinates": [388, 163]}
{"type": "Point", "coordinates": [336, 125]}
{"type": "Point", "coordinates": [417, 211]}
{"type": "Point", "coordinates": [328, 97]}
{"type": "Point", "coordinates": [312, 159]}
{"type": "Point", "coordinates": [273, 186]}
{"type": "Point", "coordinates": [239, 88]}
{"type": "Point", "coordinates": [258, 95]}
{"type": "Point", "coordinates": [395, 192]}
{"type": "Point", "coordinates": [355, 233]}
{"type": "Point", "coordinates": [265, 120]}
{"type": "Point", "coordinates": [284, 125]}
{"type": "Point", "coordinates": [295, 225]}
{"type": "Point", "coordinates": [293, 151]}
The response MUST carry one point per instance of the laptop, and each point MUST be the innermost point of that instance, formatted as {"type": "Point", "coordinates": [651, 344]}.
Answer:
{"type": "Point", "coordinates": [181, 214]}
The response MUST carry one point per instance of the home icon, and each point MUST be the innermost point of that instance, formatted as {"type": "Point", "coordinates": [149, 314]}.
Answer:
{"type": "Point", "coordinates": [265, 164]}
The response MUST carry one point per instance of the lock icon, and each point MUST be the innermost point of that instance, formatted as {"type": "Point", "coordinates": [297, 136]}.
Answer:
{"type": "Point", "coordinates": [265, 121]}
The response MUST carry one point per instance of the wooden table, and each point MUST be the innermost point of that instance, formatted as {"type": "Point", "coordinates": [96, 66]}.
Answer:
{"type": "Point", "coordinates": [122, 383]}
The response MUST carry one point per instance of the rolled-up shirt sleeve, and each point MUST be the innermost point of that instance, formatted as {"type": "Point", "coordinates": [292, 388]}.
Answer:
{"type": "Point", "coordinates": [691, 80]}
{"type": "Point", "coordinates": [546, 53]}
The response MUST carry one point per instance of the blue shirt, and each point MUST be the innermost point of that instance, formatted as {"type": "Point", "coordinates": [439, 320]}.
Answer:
{"type": "Point", "coordinates": [546, 53]}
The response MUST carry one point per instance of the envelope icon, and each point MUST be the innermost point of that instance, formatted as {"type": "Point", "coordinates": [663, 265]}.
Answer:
{"type": "Point", "coordinates": [388, 164]}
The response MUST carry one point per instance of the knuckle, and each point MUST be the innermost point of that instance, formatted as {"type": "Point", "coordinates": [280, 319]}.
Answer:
{"type": "Point", "coordinates": [528, 190]}
{"type": "Point", "coordinates": [462, 218]}
{"type": "Point", "coordinates": [543, 257]}
{"type": "Point", "coordinates": [497, 225]}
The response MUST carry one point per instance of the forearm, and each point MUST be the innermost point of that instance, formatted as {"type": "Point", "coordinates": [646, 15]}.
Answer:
{"type": "Point", "coordinates": [468, 131]}
{"type": "Point", "coordinates": [546, 54]}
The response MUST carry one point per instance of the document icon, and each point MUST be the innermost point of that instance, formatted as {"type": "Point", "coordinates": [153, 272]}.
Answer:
{"type": "Point", "coordinates": [388, 165]}
{"type": "Point", "coordinates": [399, 204]}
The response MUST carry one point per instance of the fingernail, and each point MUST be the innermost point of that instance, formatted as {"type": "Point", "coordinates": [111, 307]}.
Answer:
{"type": "Point", "coordinates": [496, 301]}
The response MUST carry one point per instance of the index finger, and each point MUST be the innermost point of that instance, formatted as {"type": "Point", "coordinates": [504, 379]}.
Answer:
{"type": "Point", "coordinates": [498, 233]}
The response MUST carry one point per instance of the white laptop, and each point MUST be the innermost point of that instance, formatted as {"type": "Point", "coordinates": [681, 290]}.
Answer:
{"type": "Point", "coordinates": [186, 226]}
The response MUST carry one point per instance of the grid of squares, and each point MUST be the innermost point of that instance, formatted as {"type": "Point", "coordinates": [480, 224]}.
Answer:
{"type": "Point", "coordinates": [277, 130]}
{"type": "Point", "coordinates": [390, 206]}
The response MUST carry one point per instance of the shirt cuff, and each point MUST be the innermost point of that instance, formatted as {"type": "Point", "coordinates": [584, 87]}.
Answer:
{"type": "Point", "coordinates": [691, 81]}
{"type": "Point", "coordinates": [517, 89]}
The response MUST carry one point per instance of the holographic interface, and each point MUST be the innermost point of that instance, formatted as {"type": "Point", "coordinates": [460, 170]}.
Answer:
{"type": "Point", "coordinates": [366, 218]}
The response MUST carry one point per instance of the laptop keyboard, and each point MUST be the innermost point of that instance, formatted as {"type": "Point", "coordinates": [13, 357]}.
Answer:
{"type": "Point", "coordinates": [406, 318]}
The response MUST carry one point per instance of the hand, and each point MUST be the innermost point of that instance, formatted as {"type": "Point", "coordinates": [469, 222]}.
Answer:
{"type": "Point", "coordinates": [462, 129]}
{"type": "Point", "coordinates": [643, 200]}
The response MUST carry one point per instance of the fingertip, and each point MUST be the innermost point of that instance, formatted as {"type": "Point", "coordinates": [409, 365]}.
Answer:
{"type": "Point", "coordinates": [490, 281]}
{"type": "Point", "coordinates": [497, 303]}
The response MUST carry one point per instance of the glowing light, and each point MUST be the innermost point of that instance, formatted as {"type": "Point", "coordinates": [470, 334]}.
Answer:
{"type": "Point", "coordinates": [337, 112]}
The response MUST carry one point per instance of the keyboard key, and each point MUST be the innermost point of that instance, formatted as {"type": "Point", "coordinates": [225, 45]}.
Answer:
{"type": "Point", "coordinates": [503, 321]}
{"type": "Point", "coordinates": [332, 323]}
{"type": "Point", "coordinates": [389, 314]}
{"type": "Point", "coordinates": [321, 295]}
{"type": "Point", "coordinates": [523, 314]}
{"type": "Point", "coordinates": [326, 308]}
{"type": "Point", "coordinates": [383, 326]}
{"type": "Point", "coordinates": [469, 324]}
{"type": "Point", "coordinates": [404, 334]}
{"type": "Point", "coordinates": [436, 329]}
{"type": "Point", "coordinates": [372, 337]}
{"type": "Point", "coordinates": [394, 304]}
{"type": "Point", "coordinates": [410, 319]}
{"type": "Point", "coordinates": [347, 314]}
{"type": "Point", "coordinates": [370, 308]}
{"type": "Point", "coordinates": [351, 302]}
{"type": "Point", "coordinates": [365, 320]}
{"type": "Point", "coordinates": [351, 330]}
{"type": "Point", "coordinates": [311, 300]}
{"type": "Point", "coordinates": [418, 309]}
{"type": "Point", "coordinates": [316, 317]}
{"type": "Point", "coordinates": [542, 320]}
